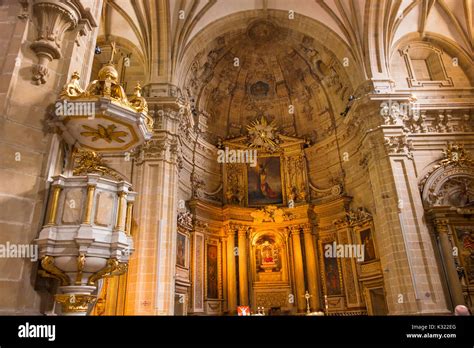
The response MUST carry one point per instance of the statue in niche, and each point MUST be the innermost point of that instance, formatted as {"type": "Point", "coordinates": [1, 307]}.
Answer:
{"type": "Point", "coordinates": [268, 255]}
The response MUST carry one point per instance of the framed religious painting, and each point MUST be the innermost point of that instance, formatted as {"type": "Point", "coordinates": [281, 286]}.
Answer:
{"type": "Point", "coordinates": [332, 276]}
{"type": "Point", "coordinates": [264, 181]}
{"type": "Point", "coordinates": [212, 271]}
{"type": "Point", "coordinates": [366, 239]}
{"type": "Point", "coordinates": [465, 252]}
{"type": "Point", "coordinates": [181, 250]}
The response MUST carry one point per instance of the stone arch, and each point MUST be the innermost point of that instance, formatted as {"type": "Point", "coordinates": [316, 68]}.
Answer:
{"type": "Point", "coordinates": [236, 22]}
{"type": "Point", "coordinates": [290, 67]}
{"type": "Point", "coordinates": [449, 185]}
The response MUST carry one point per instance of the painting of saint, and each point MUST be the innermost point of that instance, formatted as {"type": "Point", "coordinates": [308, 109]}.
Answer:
{"type": "Point", "coordinates": [264, 182]}
{"type": "Point", "coordinates": [212, 271]}
{"type": "Point", "coordinates": [368, 242]}
{"type": "Point", "coordinates": [331, 270]}
{"type": "Point", "coordinates": [465, 236]}
{"type": "Point", "coordinates": [181, 250]}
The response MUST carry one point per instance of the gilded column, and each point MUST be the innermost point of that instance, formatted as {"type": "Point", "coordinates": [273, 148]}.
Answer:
{"type": "Point", "coordinates": [299, 271]}
{"type": "Point", "coordinates": [89, 203]}
{"type": "Point", "coordinates": [311, 268]}
{"type": "Point", "coordinates": [243, 274]}
{"type": "Point", "coordinates": [54, 205]}
{"type": "Point", "coordinates": [224, 267]}
{"type": "Point", "coordinates": [454, 284]}
{"type": "Point", "coordinates": [231, 274]}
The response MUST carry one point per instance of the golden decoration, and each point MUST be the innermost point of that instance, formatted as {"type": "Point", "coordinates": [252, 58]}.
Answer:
{"type": "Point", "coordinates": [51, 271]}
{"type": "Point", "coordinates": [91, 162]}
{"type": "Point", "coordinates": [263, 134]}
{"type": "Point", "coordinates": [112, 268]}
{"type": "Point", "coordinates": [72, 89]}
{"type": "Point", "coordinates": [107, 86]}
{"type": "Point", "coordinates": [108, 133]}
{"type": "Point", "coordinates": [71, 303]}
{"type": "Point", "coordinates": [81, 262]}
{"type": "Point", "coordinates": [270, 213]}
{"type": "Point", "coordinates": [140, 104]}
{"type": "Point", "coordinates": [456, 154]}
{"type": "Point", "coordinates": [137, 100]}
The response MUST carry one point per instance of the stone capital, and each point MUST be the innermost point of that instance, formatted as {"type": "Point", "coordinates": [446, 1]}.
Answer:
{"type": "Point", "coordinates": [229, 230]}
{"type": "Point", "coordinates": [441, 225]}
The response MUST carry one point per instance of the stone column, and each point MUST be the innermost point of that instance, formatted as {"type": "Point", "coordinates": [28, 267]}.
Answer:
{"type": "Point", "coordinates": [311, 268]}
{"type": "Point", "coordinates": [446, 247]}
{"type": "Point", "coordinates": [299, 271]}
{"type": "Point", "coordinates": [243, 272]}
{"type": "Point", "coordinates": [387, 160]}
{"type": "Point", "coordinates": [151, 286]}
{"type": "Point", "coordinates": [231, 274]}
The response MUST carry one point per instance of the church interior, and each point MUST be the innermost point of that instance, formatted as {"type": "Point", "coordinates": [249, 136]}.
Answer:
{"type": "Point", "coordinates": [211, 157]}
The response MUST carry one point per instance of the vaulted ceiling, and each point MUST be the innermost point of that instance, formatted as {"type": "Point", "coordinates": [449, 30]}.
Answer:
{"type": "Point", "coordinates": [163, 29]}
{"type": "Point", "coordinates": [267, 70]}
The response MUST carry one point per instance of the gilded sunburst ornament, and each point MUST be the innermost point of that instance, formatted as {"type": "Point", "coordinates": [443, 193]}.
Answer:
{"type": "Point", "coordinates": [263, 134]}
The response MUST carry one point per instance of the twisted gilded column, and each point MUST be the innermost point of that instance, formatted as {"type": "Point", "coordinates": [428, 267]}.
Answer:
{"type": "Point", "coordinates": [243, 273]}
{"type": "Point", "coordinates": [299, 271]}
{"type": "Point", "coordinates": [231, 274]}
{"type": "Point", "coordinates": [454, 284]}
{"type": "Point", "coordinates": [311, 267]}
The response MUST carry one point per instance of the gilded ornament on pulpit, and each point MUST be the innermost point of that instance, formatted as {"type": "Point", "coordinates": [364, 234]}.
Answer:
{"type": "Point", "coordinates": [72, 89]}
{"type": "Point", "coordinates": [86, 162]}
{"type": "Point", "coordinates": [109, 134]}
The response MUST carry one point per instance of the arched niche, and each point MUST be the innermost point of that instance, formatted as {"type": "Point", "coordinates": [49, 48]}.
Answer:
{"type": "Point", "coordinates": [268, 257]}
{"type": "Point", "coordinates": [450, 184]}
{"type": "Point", "coordinates": [448, 198]}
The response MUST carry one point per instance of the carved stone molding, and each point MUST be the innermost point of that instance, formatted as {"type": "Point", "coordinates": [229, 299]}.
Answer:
{"type": "Point", "coordinates": [185, 220]}
{"type": "Point", "coordinates": [53, 18]}
{"type": "Point", "coordinates": [353, 218]}
{"type": "Point", "coordinates": [451, 181]}
{"type": "Point", "coordinates": [399, 145]}
{"type": "Point", "coordinates": [164, 149]}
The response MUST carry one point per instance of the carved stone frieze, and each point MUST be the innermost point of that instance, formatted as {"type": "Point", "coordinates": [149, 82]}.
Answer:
{"type": "Point", "coordinates": [354, 217]}
{"type": "Point", "coordinates": [399, 145]}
